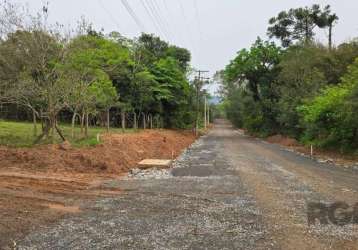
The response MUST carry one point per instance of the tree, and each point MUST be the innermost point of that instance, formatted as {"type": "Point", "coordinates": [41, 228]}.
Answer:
{"type": "Point", "coordinates": [299, 24]}
{"type": "Point", "coordinates": [36, 56]}
{"type": "Point", "coordinates": [105, 95]}
{"type": "Point", "coordinates": [301, 77]}
{"type": "Point", "coordinates": [252, 75]}
{"type": "Point", "coordinates": [326, 19]}
{"type": "Point", "coordinates": [87, 73]}
{"type": "Point", "coordinates": [94, 60]}
{"type": "Point", "coordinates": [330, 118]}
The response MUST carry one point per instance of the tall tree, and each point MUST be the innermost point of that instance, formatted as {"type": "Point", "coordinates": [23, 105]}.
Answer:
{"type": "Point", "coordinates": [250, 80]}
{"type": "Point", "coordinates": [299, 24]}
{"type": "Point", "coordinates": [327, 19]}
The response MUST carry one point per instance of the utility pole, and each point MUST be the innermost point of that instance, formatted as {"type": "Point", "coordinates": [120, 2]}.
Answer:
{"type": "Point", "coordinates": [198, 85]}
{"type": "Point", "coordinates": [208, 114]}
{"type": "Point", "coordinates": [205, 114]}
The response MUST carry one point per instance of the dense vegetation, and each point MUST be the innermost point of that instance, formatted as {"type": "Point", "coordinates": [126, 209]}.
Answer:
{"type": "Point", "coordinates": [50, 75]}
{"type": "Point", "coordinates": [303, 89]}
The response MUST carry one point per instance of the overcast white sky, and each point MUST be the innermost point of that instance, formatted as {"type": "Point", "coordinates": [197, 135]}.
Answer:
{"type": "Point", "coordinates": [213, 30]}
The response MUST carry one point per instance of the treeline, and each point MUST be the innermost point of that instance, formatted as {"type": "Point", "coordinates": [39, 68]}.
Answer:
{"type": "Point", "coordinates": [301, 89]}
{"type": "Point", "coordinates": [88, 77]}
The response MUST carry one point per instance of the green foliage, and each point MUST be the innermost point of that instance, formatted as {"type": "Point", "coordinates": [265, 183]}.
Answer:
{"type": "Point", "coordinates": [331, 119]}
{"type": "Point", "coordinates": [249, 81]}
{"type": "Point", "coordinates": [307, 90]}
{"type": "Point", "coordinates": [298, 24]}
{"type": "Point", "coordinates": [48, 76]}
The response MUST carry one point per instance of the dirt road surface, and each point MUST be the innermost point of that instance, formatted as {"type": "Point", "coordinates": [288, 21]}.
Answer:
{"type": "Point", "coordinates": [227, 191]}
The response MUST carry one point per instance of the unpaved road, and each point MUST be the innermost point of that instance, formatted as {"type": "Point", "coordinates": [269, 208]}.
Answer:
{"type": "Point", "coordinates": [227, 191]}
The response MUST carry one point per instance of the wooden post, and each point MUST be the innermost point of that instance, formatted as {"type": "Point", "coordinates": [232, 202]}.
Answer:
{"type": "Point", "coordinates": [311, 151]}
{"type": "Point", "coordinates": [108, 120]}
{"type": "Point", "coordinates": [205, 118]}
{"type": "Point", "coordinates": [208, 114]}
{"type": "Point", "coordinates": [123, 118]}
{"type": "Point", "coordinates": [144, 121]}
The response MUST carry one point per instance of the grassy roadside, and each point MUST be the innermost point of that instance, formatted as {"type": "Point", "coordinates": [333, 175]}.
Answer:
{"type": "Point", "coordinates": [20, 134]}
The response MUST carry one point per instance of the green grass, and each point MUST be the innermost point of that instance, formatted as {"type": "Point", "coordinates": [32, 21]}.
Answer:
{"type": "Point", "coordinates": [20, 134]}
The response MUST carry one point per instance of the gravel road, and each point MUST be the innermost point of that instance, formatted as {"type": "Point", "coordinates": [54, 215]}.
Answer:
{"type": "Point", "coordinates": [227, 191]}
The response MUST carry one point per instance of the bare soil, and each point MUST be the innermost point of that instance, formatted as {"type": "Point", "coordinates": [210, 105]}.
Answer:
{"type": "Point", "coordinates": [40, 185]}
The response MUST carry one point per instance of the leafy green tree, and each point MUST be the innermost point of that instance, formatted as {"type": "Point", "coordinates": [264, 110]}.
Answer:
{"type": "Point", "coordinates": [105, 95]}
{"type": "Point", "coordinates": [94, 60]}
{"type": "Point", "coordinates": [327, 19]}
{"type": "Point", "coordinates": [301, 77]}
{"type": "Point", "coordinates": [33, 59]}
{"type": "Point", "coordinates": [252, 73]}
{"type": "Point", "coordinates": [330, 119]}
{"type": "Point", "coordinates": [172, 90]}
{"type": "Point", "coordinates": [181, 55]}
{"type": "Point", "coordinates": [299, 24]}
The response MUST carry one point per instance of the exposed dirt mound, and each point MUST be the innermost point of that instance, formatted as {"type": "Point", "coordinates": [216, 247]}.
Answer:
{"type": "Point", "coordinates": [117, 154]}
{"type": "Point", "coordinates": [46, 183]}
{"type": "Point", "coordinates": [283, 140]}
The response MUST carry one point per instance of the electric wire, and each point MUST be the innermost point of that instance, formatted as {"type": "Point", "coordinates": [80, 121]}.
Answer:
{"type": "Point", "coordinates": [110, 15]}
{"type": "Point", "coordinates": [191, 41]}
{"type": "Point", "coordinates": [162, 18]}
{"type": "Point", "coordinates": [198, 19]}
{"type": "Point", "coordinates": [152, 17]}
{"type": "Point", "coordinates": [157, 17]}
{"type": "Point", "coordinates": [133, 15]}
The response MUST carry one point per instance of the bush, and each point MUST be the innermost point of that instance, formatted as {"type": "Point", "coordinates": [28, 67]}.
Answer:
{"type": "Point", "coordinates": [331, 119]}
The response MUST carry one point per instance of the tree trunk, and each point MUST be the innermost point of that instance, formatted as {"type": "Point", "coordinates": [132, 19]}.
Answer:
{"type": "Point", "coordinates": [144, 121]}
{"type": "Point", "coordinates": [60, 133]}
{"type": "Point", "coordinates": [151, 121]}
{"type": "Point", "coordinates": [42, 121]}
{"type": "Point", "coordinates": [86, 127]}
{"type": "Point", "coordinates": [82, 122]}
{"type": "Point", "coordinates": [34, 122]}
{"type": "Point", "coordinates": [108, 120]}
{"type": "Point", "coordinates": [123, 120]}
{"type": "Point", "coordinates": [53, 125]}
{"type": "Point", "coordinates": [135, 120]}
{"type": "Point", "coordinates": [330, 37]}
{"type": "Point", "coordinates": [45, 132]}
{"type": "Point", "coordinates": [73, 125]}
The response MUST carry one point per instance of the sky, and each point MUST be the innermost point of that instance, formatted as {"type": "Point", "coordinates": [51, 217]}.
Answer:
{"type": "Point", "coordinates": [213, 30]}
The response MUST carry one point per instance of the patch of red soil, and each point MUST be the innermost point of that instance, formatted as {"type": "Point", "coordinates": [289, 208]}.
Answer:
{"type": "Point", "coordinates": [43, 184]}
{"type": "Point", "coordinates": [117, 154]}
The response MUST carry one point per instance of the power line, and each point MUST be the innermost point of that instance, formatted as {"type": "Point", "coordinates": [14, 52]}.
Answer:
{"type": "Point", "coordinates": [110, 15]}
{"type": "Point", "coordinates": [198, 17]}
{"type": "Point", "coordinates": [152, 17]}
{"type": "Point", "coordinates": [133, 15]}
{"type": "Point", "coordinates": [191, 41]}
{"type": "Point", "coordinates": [166, 24]}
{"type": "Point", "coordinates": [180, 32]}
{"type": "Point", "coordinates": [157, 17]}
